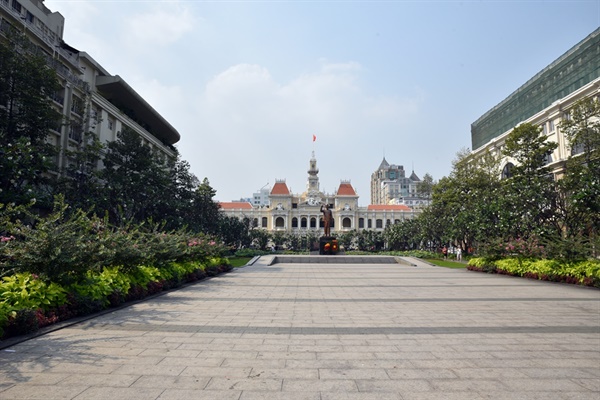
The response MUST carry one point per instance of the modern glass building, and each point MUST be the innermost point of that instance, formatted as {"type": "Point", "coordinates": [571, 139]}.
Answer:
{"type": "Point", "coordinates": [571, 72]}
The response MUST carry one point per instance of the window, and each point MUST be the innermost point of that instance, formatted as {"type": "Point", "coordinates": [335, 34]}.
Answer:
{"type": "Point", "coordinates": [547, 158]}
{"type": "Point", "coordinates": [77, 105]}
{"type": "Point", "coordinates": [576, 148]}
{"type": "Point", "coordinates": [361, 223]}
{"type": "Point", "coordinates": [294, 222]}
{"type": "Point", "coordinates": [379, 224]}
{"type": "Point", "coordinates": [75, 132]}
{"type": "Point", "coordinates": [369, 223]}
{"type": "Point", "coordinates": [29, 17]}
{"type": "Point", "coordinates": [255, 222]}
{"type": "Point", "coordinates": [346, 223]}
{"type": "Point", "coordinates": [16, 6]}
{"type": "Point", "coordinates": [264, 222]}
{"type": "Point", "coordinates": [279, 222]}
{"type": "Point", "coordinates": [551, 125]}
{"type": "Point", "coordinates": [313, 222]}
{"type": "Point", "coordinates": [303, 222]}
{"type": "Point", "coordinates": [507, 171]}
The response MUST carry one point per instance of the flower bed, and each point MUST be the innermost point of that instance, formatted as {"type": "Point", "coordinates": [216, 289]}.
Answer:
{"type": "Point", "coordinates": [28, 303]}
{"type": "Point", "coordinates": [585, 273]}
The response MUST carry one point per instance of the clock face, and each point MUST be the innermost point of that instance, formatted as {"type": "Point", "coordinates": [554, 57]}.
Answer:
{"type": "Point", "coordinates": [313, 201]}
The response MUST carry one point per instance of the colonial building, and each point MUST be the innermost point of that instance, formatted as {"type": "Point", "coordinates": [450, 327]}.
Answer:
{"type": "Point", "coordinates": [301, 213]}
{"type": "Point", "coordinates": [544, 100]}
{"type": "Point", "coordinates": [90, 99]}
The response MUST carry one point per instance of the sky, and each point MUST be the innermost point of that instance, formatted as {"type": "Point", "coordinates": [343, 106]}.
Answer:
{"type": "Point", "coordinates": [248, 83]}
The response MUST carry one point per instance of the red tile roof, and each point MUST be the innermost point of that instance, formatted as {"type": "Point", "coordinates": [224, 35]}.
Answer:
{"type": "Point", "coordinates": [388, 207]}
{"type": "Point", "coordinates": [346, 189]}
{"type": "Point", "coordinates": [236, 205]}
{"type": "Point", "coordinates": [280, 188]}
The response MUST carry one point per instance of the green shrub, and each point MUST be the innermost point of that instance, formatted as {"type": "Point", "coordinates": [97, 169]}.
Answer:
{"type": "Point", "coordinates": [6, 312]}
{"type": "Point", "coordinates": [27, 291]}
{"type": "Point", "coordinates": [250, 253]}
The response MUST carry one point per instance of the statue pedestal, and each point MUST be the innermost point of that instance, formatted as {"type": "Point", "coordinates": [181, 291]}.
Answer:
{"type": "Point", "coordinates": [328, 245]}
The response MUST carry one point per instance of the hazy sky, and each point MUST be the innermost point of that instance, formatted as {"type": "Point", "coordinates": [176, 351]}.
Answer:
{"type": "Point", "coordinates": [248, 83]}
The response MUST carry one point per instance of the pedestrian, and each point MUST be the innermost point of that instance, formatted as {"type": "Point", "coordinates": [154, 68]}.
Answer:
{"type": "Point", "coordinates": [445, 252]}
{"type": "Point", "coordinates": [459, 254]}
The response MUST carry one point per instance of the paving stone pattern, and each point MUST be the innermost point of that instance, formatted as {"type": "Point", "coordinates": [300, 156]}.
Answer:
{"type": "Point", "coordinates": [326, 332]}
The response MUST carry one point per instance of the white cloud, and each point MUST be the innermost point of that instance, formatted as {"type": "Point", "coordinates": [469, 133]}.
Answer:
{"type": "Point", "coordinates": [247, 124]}
{"type": "Point", "coordinates": [158, 27]}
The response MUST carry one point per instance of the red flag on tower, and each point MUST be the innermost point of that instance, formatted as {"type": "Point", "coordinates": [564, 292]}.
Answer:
{"type": "Point", "coordinates": [314, 138]}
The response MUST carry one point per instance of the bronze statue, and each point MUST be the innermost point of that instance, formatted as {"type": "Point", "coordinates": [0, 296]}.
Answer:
{"type": "Point", "coordinates": [327, 218]}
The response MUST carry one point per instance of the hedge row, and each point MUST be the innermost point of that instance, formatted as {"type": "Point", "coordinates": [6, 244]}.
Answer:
{"type": "Point", "coordinates": [585, 273]}
{"type": "Point", "coordinates": [28, 303]}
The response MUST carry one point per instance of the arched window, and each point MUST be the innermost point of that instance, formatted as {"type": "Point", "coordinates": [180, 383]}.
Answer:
{"type": "Point", "coordinates": [279, 222]}
{"type": "Point", "coordinates": [379, 224]}
{"type": "Point", "coordinates": [346, 223]}
{"type": "Point", "coordinates": [303, 222]}
{"type": "Point", "coordinates": [507, 171]}
{"type": "Point", "coordinates": [264, 222]}
{"type": "Point", "coordinates": [387, 222]}
{"type": "Point", "coordinates": [313, 222]}
{"type": "Point", "coordinates": [255, 223]}
{"type": "Point", "coordinates": [294, 222]}
{"type": "Point", "coordinates": [361, 223]}
{"type": "Point", "coordinates": [369, 223]}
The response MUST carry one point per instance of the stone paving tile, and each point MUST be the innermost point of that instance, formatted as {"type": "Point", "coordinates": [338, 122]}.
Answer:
{"type": "Point", "coordinates": [187, 394]}
{"type": "Point", "coordinates": [174, 382]}
{"type": "Point", "coordinates": [405, 385]}
{"type": "Point", "coordinates": [102, 380]}
{"type": "Point", "coordinates": [322, 385]}
{"type": "Point", "coordinates": [109, 393]}
{"type": "Point", "coordinates": [42, 392]}
{"type": "Point", "coordinates": [253, 384]}
{"type": "Point", "coordinates": [327, 332]}
{"type": "Point", "coordinates": [249, 395]}
{"type": "Point", "coordinates": [348, 373]}
{"type": "Point", "coordinates": [360, 396]}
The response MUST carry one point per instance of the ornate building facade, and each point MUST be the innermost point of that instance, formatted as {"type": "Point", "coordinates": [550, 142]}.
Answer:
{"type": "Point", "coordinates": [301, 213]}
{"type": "Point", "coordinates": [90, 98]}
{"type": "Point", "coordinates": [390, 185]}
{"type": "Point", "coordinates": [545, 101]}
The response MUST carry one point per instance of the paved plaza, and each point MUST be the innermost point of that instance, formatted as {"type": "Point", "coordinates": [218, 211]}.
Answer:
{"type": "Point", "coordinates": [333, 331]}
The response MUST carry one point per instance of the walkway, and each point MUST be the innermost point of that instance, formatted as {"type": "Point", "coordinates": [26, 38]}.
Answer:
{"type": "Point", "coordinates": [326, 332]}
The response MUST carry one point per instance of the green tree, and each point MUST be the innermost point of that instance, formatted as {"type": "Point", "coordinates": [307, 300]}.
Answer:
{"type": "Point", "coordinates": [425, 187]}
{"type": "Point", "coordinates": [26, 116]}
{"type": "Point", "coordinates": [529, 195]}
{"type": "Point", "coordinates": [260, 238]}
{"type": "Point", "coordinates": [206, 210]}
{"type": "Point", "coordinates": [136, 181]}
{"type": "Point", "coordinates": [81, 184]}
{"type": "Point", "coordinates": [234, 232]}
{"type": "Point", "coordinates": [464, 204]}
{"type": "Point", "coordinates": [579, 190]}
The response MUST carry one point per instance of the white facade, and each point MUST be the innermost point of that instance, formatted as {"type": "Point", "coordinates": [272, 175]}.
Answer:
{"type": "Point", "coordinates": [544, 100]}
{"type": "Point", "coordinates": [301, 213]}
{"type": "Point", "coordinates": [90, 100]}
{"type": "Point", "coordinates": [390, 185]}
{"type": "Point", "coordinates": [548, 119]}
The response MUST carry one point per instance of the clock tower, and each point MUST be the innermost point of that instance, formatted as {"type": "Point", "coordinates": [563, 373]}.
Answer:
{"type": "Point", "coordinates": [312, 185]}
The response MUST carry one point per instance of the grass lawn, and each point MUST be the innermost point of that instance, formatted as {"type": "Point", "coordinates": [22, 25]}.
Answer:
{"type": "Point", "coordinates": [239, 261]}
{"type": "Point", "coordinates": [446, 263]}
